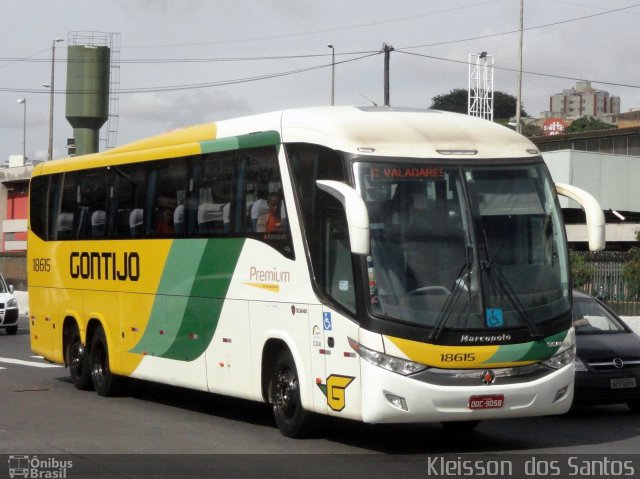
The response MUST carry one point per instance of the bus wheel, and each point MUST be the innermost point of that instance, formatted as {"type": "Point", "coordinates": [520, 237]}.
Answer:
{"type": "Point", "coordinates": [79, 364]}
{"type": "Point", "coordinates": [12, 330]}
{"type": "Point", "coordinates": [284, 397]}
{"type": "Point", "coordinates": [104, 381]}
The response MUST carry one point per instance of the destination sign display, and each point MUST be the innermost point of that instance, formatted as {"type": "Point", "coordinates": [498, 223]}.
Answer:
{"type": "Point", "coordinates": [403, 173]}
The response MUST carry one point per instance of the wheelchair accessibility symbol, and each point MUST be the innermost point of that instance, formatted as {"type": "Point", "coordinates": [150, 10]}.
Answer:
{"type": "Point", "coordinates": [326, 320]}
{"type": "Point", "coordinates": [494, 317]}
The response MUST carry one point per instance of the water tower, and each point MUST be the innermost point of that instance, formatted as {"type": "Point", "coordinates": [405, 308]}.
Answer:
{"type": "Point", "coordinates": [88, 82]}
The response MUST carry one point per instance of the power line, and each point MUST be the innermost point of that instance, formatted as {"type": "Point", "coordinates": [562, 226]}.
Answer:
{"type": "Point", "coordinates": [510, 32]}
{"type": "Point", "coordinates": [364, 54]}
{"type": "Point", "coordinates": [288, 57]}
{"type": "Point", "coordinates": [316, 32]}
{"type": "Point", "coordinates": [548, 75]}
{"type": "Point", "coordinates": [194, 86]}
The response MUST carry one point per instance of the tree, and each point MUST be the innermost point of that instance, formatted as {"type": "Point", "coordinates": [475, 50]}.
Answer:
{"type": "Point", "coordinates": [580, 271]}
{"type": "Point", "coordinates": [504, 105]}
{"type": "Point", "coordinates": [455, 101]}
{"type": "Point", "coordinates": [631, 271]}
{"type": "Point", "coordinates": [588, 123]}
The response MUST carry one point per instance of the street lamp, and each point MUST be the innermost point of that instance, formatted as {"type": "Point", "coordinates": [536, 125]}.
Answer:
{"type": "Point", "coordinates": [23, 102]}
{"type": "Point", "coordinates": [333, 73]}
{"type": "Point", "coordinates": [51, 86]}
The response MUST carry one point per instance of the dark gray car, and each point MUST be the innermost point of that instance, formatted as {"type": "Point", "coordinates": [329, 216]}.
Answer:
{"type": "Point", "coordinates": [608, 355]}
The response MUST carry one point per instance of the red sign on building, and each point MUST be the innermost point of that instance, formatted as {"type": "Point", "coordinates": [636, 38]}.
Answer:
{"type": "Point", "coordinates": [553, 126]}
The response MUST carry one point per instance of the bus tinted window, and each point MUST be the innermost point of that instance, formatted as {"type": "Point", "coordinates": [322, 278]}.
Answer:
{"type": "Point", "coordinates": [218, 194]}
{"type": "Point", "coordinates": [167, 181]}
{"type": "Point", "coordinates": [39, 191]}
{"type": "Point", "coordinates": [91, 204]}
{"type": "Point", "coordinates": [212, 194]}
{"type": "Point", "coordinates": [128, 192]}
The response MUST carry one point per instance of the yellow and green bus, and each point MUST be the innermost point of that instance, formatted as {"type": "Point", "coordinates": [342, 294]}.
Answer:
{"type": "Point", "coordinates": [377, 264]}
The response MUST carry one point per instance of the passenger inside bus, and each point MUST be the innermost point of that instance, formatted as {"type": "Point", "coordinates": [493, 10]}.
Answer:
{"type": "Point", "coordinates": [259, 209]}
{"type": "Point", "coordinates": [272, 219]}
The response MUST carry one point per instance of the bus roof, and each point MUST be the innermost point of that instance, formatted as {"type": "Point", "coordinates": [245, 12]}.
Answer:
{"type": "Point", "coordinates": [385, 131]}
{"type": "Point", "coordinates": [380, 131]}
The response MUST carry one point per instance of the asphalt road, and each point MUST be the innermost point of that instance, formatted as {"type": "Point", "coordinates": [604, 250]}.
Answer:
{"type": "Point", "coordinates": [160, 431]}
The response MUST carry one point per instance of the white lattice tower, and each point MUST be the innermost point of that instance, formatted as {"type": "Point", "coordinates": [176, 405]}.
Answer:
{"type": "Point", "coordinates": [480, 97]}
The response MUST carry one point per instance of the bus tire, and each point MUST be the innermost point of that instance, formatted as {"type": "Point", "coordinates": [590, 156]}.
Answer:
{"type": "Point", "coordinates": [12, 330]}
{"type": "Point", "coordinates": [284, 397]}
{"type": "Point", "coordinates": [104, 381]}
{"type": "Point", "coordinates": [77, 359]}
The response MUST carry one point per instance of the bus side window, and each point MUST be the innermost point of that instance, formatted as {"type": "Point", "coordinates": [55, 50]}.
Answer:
{"type": "Point", "coordinates": [167, 186]}
{"type": "Point", "coordinates": [91, 204]}
{"type": "Point", "coordinates": [128, 192]}
{"type": "Point", "coordinates": [337, 272]}
{"type": "Point", "coordinates": [213, 193]}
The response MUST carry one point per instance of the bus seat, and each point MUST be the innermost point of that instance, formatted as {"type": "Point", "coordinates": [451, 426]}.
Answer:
{"type": "Point", "coordinates": [178, 219]}
{"type": "Point", "coordinates": [136, 221]}
{"type": "Point", "coordinates": [98, 223]}
{"type": "Point", "coordinates": [210, 217]}
{"type": "Point", "coordinates": [65, 225]}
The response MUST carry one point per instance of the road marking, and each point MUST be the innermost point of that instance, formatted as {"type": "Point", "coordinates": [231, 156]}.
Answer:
{"type": "Point", "coordinates": [33, 364]}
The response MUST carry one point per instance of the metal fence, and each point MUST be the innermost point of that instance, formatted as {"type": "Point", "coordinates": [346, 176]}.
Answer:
{"type": "Point", "coordinates": [607, 282]}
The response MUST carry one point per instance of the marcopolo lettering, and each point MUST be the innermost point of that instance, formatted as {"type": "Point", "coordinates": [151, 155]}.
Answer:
{"type": "Point", "coordinates": [105, 265]}
{"type": "Point", "coordinates": [497, 338]}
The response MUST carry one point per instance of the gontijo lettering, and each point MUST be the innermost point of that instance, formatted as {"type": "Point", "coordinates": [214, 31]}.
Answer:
{"type": "Point", "coordinates": [105, 265]}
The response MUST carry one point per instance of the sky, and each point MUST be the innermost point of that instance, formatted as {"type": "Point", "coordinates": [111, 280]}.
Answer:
{"type": "Point", "coordinates": [185, 62]}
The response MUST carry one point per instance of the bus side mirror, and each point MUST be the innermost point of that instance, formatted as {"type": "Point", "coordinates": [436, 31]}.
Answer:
{"type": "Point", "coordinates": [593, 213]}
{"type": "Point", "coordinates": [355, 210]}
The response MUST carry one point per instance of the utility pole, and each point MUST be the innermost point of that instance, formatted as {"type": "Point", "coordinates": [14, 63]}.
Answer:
{"type": "Point", "coordinates": [51, 93]}
{"type": "Point", "coordinates": [333, 74]}
{"type": "Point", "coordinates": [387, 54]}
{"type": "Point", "coordinates": [519, 86]}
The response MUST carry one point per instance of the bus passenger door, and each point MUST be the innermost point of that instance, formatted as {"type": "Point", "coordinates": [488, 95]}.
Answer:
{"type": "Point", "coordinates": [341, 382]}
{"type": "Point", "coordinates": [318, 355]}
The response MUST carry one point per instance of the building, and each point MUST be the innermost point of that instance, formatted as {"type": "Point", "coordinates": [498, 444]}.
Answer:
{"type": "Point", "coordinates": [583, 100]}
{"type": "Point", "coordinates": [605, 163]}
{"type": "Point", "coordinates": [14, 206]}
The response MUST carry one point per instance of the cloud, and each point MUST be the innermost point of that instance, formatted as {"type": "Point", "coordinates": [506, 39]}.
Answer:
{"type": "Point", "coordinates": [168, 111]}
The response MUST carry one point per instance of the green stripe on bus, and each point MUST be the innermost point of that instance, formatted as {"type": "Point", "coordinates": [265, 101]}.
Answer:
{"type": "Point", "coordinates": [186, 311]}
{"type": "Point", "coordinates": [252, 140]}
{"type": "Point", "coordinates": [207, 296]}
{"type": "Point", "coordinates": [531, 351]}
{"type": "Point", "coordinates": [170, 303]}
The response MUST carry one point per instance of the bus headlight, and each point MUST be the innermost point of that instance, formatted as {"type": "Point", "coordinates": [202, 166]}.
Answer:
{"type": "Point", "coordinates": [12, 303]}
{"type": "Point", "coordinates": [565, 353]}
{"type": "Point", "coordinates": [385, 361]}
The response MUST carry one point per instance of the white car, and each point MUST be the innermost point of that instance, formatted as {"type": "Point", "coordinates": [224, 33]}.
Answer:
{"type": "Point", "coordinates": [8, 308]}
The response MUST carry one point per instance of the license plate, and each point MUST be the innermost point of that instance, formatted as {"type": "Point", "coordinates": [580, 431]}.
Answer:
{"type": "Point", "coordinates": [623, 383]}
{"type": "Point", "coordinates": [492, 401]}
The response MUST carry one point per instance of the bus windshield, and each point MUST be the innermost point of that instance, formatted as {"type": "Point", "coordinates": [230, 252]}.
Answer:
{"type": "Point", "coordinates": [464, 247]}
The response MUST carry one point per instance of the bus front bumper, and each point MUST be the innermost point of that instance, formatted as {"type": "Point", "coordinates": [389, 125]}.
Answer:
{"type": "Point", "coordinates": [393, 398]}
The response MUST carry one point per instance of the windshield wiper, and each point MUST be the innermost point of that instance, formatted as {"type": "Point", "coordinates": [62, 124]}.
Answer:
{"type": "Point", "coordinates": [452, 300]}
{"type": "Point", "coordinates": [507, 292]}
